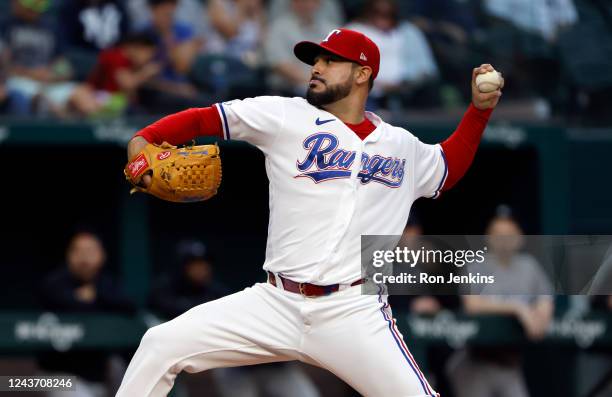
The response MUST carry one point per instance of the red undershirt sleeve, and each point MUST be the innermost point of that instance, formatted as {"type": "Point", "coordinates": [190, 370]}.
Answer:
{"type": "Point", "coordinates": [184, 126]}
{"type": "Point", "coordinates": [460, 148]}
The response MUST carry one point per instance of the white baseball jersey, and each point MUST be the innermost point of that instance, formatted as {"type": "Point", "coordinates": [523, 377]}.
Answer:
{"type": "Point", "coordinates": [327, 186]}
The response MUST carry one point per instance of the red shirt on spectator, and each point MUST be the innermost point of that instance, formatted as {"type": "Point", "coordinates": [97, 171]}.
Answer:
{"type": "Point", "coordinates": [104, 75]}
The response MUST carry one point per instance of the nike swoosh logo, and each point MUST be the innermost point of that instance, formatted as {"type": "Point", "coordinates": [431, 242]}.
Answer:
{"type": "Point", "coordinates": [321, 122]}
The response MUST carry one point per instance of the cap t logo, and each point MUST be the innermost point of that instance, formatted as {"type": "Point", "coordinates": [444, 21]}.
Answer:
{"type": "Point", "coordinates": [363, 57]}
{"type": "Point", "coordinates": [333, 32]}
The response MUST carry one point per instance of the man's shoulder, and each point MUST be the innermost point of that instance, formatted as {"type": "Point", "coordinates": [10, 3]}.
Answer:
{"type": "Point", "coordinates": [301, 104]}
{"type": "Point", "coordinates": [398, 132]}
{"type": "Point", "coordinates": [265, 100]}
{"type": "Point", "coordinates": [300, 101]}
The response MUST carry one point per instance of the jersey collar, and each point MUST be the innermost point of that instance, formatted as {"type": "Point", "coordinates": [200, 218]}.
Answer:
{"type": "Point", "coordinates": [374, 118]}
{"type": "Point", "coordinates": [378, 122]}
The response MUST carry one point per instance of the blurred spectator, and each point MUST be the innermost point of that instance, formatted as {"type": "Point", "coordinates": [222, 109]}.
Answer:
{"type": "Point", "coordinates": [451, 19]}
{"type": "Point", "coordinates": [194, 14]}
{"type": "Point", "coordinates": [521, 289]}
{"type": "Point", "coordinates": [451, 28]}
{"type": "Point", "coordinates": [81, 286]}
{"type": "Point", "coordinates": [408, 70]}
{"type": "Point", "coordinates": [238, 28]}
{"type": "Point", "coordinates": [329, 10]}
{"type": "Point", "coordinates": [189, 12]}
{"type": "Point", "coordinates": [177, 48]}
{"type": "Point", "coordinates": [38, 72]}
{"type": "Point", "coordinates": [522, 36]}
{"type": "Point", "coordinates": [93, 25]}
{"type": "Point", "coordinates": [140, 14]}
{"type": "Point", "coordinates": [191, 286]}
{"type": "Point", "coordinates": [588, 68]}
{"type": "Point", "coordinates": [125, 68]}
{"type": "Point", "coordinates": [10, 101]}
{"type": "Point", "coordinates": [290, 76]}
{"type": "Point", "coordinates": [543, 17]}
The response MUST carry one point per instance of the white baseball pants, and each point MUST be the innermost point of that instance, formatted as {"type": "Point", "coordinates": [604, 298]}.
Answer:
{"type": "Point", "coordinates": [349, 334]}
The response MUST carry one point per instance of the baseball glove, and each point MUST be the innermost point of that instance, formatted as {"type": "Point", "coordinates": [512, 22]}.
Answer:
{"type": "Point", "coordinates": [181, 175]}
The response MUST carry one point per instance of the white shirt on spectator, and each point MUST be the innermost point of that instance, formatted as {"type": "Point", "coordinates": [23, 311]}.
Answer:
{"type": "Point", "coordinates": [543, 17]}
{"type": "Point", "coordinates": [405, 55]}
{"type": "Point", "coordinates": [522, 280]}
{"type": "Point", "coordinates": [329, 10]}
{"type": "Point", "coordinates": [284, 33]}
{"type": "Point", "coordinates": [190, 12]}
{"type": "Point", "coordinates": [245, 42]}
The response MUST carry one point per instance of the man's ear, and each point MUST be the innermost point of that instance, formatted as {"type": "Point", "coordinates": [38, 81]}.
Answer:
{"type": "Point", "coordinates": [363, 75]}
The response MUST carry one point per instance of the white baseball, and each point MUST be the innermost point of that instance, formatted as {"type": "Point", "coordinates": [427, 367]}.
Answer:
{"type": "Point", "coordinates": [488, 82]}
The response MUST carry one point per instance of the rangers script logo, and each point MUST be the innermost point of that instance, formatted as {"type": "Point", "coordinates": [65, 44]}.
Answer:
{"type": "Point", "coordinates": [325, 161]}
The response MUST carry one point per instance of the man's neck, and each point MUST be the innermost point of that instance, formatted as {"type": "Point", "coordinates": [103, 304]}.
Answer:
{"type": "Point", "coordinates": [350, 110]}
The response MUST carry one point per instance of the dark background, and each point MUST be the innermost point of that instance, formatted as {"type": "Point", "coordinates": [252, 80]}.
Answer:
{"type": "Point", "coordinates": [61, 188]}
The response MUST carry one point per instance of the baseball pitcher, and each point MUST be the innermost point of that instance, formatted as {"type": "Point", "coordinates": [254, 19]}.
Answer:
{"type": "Point", "coordinates": [336, 172]}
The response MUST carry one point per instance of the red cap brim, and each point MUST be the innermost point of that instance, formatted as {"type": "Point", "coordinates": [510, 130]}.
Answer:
{"type": "Point", "coordinates": [307, 51]}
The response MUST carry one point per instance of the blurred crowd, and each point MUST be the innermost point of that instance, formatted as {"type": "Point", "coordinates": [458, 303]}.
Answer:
{"type": "Point", "coordinates": [82, 285]}
{"type": "Point", "coordinates": [107, 58]}
{"type": "Point", "coordinates": [523, 290]}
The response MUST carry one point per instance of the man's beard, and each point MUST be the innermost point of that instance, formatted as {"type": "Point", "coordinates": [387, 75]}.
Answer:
{"type": "Point", "coordinates": [330, 95]}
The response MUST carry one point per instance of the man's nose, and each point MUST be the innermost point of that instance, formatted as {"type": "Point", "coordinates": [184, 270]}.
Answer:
{"type": "Point", "coordinates": [317, 67]}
